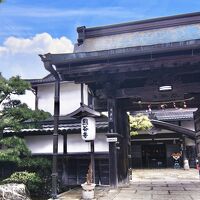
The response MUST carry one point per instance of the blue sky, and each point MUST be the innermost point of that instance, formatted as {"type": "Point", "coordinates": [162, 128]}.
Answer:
{"type": "Point", "coordinates": [25, 22]}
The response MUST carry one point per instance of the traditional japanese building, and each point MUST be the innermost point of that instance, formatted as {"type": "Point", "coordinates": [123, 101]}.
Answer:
{"type": "Point", "coordinates": [128, 67]}
{"type": "Point", "coordinates": [151, 149]}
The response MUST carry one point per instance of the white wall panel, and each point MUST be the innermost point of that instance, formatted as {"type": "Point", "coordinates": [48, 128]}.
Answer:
{"type": "Point", "coordinates": [70, 97]}
{"type": "Point", "coordinates": [76, 145]}
{"type": "Point", "coordinates": [43, 143]}
{"type": "Point", "coordinates": [101, 145]}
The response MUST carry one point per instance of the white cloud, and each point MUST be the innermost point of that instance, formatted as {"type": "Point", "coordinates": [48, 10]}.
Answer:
{"type": "Point", "coordinates": [40, 43]}
{"type": "Point", "coordinates": [3, 50]}
{"type": "Point", "coordinates": [19, 56]}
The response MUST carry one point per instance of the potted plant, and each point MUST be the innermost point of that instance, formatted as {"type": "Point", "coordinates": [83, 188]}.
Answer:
{"type": "Point", "coordinates": [89, 186]}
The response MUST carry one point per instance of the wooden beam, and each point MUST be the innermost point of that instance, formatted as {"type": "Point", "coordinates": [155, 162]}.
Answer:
{"type": "Point", "coordinates": [190, 47]}
{"type": "Point", "coordinates": [129, 66]}
{"type": "Point", "coordinates": [152, 93]}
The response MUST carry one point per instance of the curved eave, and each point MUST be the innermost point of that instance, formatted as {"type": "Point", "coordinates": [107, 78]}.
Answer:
{"type": "Point", "coordinates": [84, 111]}
{"type": "Point", "coordinates": [172, 127]}
{"type": "Point", "coordinates": [185, 47]}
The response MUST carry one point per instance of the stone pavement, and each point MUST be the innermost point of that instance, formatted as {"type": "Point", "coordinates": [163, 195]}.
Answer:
{"type": "Point", "coordinates": [156, 184]}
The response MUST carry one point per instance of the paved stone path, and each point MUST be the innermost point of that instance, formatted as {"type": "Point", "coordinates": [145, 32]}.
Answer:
{"type": "Point", "coordinates": [166, 184]}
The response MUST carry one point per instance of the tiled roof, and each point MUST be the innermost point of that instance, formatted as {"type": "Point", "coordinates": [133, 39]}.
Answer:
{"type": "Point", "coordinates": [47, 79]}
{"type": "Point", "coordinates": [68, 125]}
{"type": "Point", "coordinates": [63, 128]}
{"type": "Point", "coordinates": [170, 114]}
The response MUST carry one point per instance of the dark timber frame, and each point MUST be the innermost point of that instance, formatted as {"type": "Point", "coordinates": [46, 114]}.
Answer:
{"type": "Point", "coordinates": [112, 128]}
{"type": "Point", "coordinates": [120, 78]}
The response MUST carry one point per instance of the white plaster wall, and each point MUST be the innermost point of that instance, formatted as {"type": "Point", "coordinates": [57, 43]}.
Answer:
{"type": "Point", "coordinates": [70, 97]}
{"type": "Point", "coordinates": [188, 124]}
{"type": "Point", "coordinates": [149, 37]}
{"type": "Point", "coordinates": [101, 145]}
{"type": "Point", "coordinates": [28, 98]}
{"type": "Point", "coordinates": [43, 143]}
{"type": "Point", "coordinates": [76, 145]}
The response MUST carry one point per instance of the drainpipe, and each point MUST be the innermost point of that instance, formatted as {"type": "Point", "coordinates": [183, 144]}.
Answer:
{"type": "Point", "coordinates": [48, 66]}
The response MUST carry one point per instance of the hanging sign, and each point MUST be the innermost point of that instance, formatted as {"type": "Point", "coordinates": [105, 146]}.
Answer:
{"type": "Point", "coordinates": [111, 139]}
{"type": "Point", "coordinates": [88, 128]}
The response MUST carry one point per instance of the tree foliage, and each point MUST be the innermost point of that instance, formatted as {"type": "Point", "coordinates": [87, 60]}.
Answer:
{"type": "Point", "coordinates": [13, 113]}
{"type": "Point", "coordinates": [14, 149]}
{"type": "Point", "coordinates": [14, 116]}
{"type": "Point", "coordinates": [139, 122]}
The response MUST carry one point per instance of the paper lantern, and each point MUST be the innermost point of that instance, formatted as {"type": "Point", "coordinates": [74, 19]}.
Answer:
{"type": "Point", "coordinates": [88, 128]}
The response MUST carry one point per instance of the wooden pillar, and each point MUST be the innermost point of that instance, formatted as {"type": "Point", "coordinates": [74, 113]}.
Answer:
{"type": "Point", "coordinates": [64, 162]}
{"type": "Point", "coordinates": [36, 98]}
{"type": "Point", "coordinates": [113, 172]}
{"type": "Point", "coordinates": [65, 144]}
{"type": "Point", "coordinates": [197, 129]}
{"type": "Point", "coordinates": [92, 160]}
{"type": "Point", "coordinates": [124, 143]}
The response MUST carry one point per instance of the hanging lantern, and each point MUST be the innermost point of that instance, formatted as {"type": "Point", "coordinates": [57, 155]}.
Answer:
{"type": "Point", "coordinates": [88, 128]}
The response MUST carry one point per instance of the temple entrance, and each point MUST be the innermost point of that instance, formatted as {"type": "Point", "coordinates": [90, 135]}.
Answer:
{"type": "Point", "coordinates": [154, 156]}
{"type": "Point", "coordinates": [134, 77]}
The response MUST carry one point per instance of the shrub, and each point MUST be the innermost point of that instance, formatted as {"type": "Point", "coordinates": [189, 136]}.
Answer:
{"type": "Point", "coordinates": [32, 181]}
{"type": "Point", "coordinates": [15, 155]}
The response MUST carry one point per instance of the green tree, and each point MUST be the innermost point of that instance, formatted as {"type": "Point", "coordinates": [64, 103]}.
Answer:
{"type": "Point", "coordinates": [139, 122]}
{"type": "Point", "coordinates": [13, 113]}
{"type": "Point", "coordinates": [14, 116]}
{"type": "Point", "coordinates": [13, 150]}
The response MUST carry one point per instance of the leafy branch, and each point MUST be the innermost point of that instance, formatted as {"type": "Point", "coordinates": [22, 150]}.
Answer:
{"type": "Point", "coordinates": [139, 122]}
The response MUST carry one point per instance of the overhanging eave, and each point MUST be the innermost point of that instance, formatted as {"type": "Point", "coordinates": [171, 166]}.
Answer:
{"type": "Point", "coordinates": [172, 127]}
{"type": "Point", "coordinates": [105, 55]}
